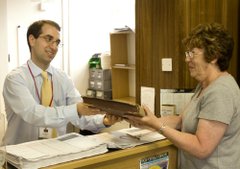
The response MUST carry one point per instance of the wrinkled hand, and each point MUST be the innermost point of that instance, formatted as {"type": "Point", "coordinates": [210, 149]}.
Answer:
{"type": "Point", "coordinates": [111, 119]}
{"type": "Point", "coordinates": [86, 109]}
{"type": "Point", "coordinates": [147, 121]}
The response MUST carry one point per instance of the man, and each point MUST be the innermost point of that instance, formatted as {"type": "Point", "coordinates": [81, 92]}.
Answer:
{"type": "Point", "coordinates": [27, 118]}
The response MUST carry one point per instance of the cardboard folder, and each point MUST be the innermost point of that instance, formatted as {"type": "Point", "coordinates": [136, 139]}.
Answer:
{"type": "Point", "coordinates": [114, 107]}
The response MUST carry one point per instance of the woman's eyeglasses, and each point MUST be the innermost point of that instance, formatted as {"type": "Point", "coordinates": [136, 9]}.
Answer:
{"type": "Point", "coordinates": [191, 54]}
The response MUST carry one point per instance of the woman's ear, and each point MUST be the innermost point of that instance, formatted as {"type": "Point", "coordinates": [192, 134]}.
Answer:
{"type": "Point", "coordinates": [214, 61]}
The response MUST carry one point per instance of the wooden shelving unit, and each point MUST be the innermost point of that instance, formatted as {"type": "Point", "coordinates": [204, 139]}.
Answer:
{"type": "Point", "coordinates": [123, 66]}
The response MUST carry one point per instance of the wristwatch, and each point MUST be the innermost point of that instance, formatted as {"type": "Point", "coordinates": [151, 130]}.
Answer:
{"type": "Point", "coordinates": [163, 126]}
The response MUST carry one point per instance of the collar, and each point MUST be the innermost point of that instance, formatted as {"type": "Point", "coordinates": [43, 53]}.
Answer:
{"type": "Point", "coordinates": [37, 70]}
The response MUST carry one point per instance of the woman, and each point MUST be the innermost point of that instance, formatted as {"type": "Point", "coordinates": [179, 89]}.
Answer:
{"type": "Point", "coordinates": [207, 133]}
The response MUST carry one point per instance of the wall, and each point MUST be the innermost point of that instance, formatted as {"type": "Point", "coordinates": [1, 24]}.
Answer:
{"type": "Point", "coordinates": [3, 58]}
{"type": "Point", "coordinates": [23, 13]}
{"type": "Point", "coordinates": [3, 47]}
{"type": "Point", "coordinates": [160, 28]}
{"type": "Point", "coordinates": [90, 23]}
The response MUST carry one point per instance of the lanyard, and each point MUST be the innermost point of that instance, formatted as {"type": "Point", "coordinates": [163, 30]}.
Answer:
{"type": "Point", "coordinates": [35, 85]}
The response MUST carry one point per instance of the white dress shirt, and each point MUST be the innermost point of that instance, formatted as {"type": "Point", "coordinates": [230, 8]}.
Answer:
{"type": "Point", "coordinates": [25, 114]}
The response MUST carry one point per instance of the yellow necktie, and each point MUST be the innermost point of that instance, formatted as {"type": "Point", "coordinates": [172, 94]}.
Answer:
{"type": "Point", "coordinates": [46, 90]}
{"type": "Point", "coordinates": [46, 95]}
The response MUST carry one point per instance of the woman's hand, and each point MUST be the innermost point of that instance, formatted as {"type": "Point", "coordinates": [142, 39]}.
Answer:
{"type": "Point", "coordinates": [147, 121]}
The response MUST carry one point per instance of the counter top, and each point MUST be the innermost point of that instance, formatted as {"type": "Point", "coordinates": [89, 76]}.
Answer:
{"type": "Point", "coordinates": [127, 158]}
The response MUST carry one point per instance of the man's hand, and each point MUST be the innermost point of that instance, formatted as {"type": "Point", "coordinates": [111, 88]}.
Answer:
{"type": "Point", "coordinates": [111, 119]}
{"type": "Point", "coordinates": [86, 109]}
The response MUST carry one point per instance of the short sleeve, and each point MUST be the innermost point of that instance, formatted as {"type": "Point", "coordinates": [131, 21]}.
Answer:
{"type": "Point", "coordinates": [217, 104]}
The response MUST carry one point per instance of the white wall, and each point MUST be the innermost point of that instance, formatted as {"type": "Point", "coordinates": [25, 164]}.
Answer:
{"type": "Point", "coordinates": [90, 22]}
{"type": "Point", "coordinates": [23, 13]}
{"type": "Point", "coordinates": [3, 47]}
{"type": "Point", "coordinates": [3, 58]}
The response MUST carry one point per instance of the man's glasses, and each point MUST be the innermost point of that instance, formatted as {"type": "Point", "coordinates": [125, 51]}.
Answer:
{"type": "Point", "coordinates": [50, 41]}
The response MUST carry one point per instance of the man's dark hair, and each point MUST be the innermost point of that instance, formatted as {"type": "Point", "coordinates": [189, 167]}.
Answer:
{"type": "Point", "coordinates": [35, 29]}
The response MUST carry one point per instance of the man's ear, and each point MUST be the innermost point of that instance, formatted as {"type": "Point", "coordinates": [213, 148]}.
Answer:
{"type": "Point", "coordinates": [31, 40]}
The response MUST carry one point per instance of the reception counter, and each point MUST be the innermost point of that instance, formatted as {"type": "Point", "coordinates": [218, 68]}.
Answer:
{"type": "Point", "coordinates": [132, 158]}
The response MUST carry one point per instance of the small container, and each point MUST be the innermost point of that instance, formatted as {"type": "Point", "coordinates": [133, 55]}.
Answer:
{"type": "Point", "coordinates": [95, 61]}
{"type": "Point", "coordinates": [105, 60]}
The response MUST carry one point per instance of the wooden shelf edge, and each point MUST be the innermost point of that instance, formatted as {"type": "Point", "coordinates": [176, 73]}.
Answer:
{"type": "Point", "coordinates": [124, 66]}
{"type": "Point", "coordinates": [122, 32]}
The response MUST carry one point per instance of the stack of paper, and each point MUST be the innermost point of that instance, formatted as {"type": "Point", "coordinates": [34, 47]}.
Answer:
{"type": "Point", "coordinates": [72, 146]}
{"type": "Point", "coordinates": [41, 153]}
{"type": "Point", "coordinates": [128, 137]}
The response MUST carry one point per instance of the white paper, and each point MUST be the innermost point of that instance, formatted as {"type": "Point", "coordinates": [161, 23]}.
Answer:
{"type": "Point", "coordinates": [166, 96]}
{"type": "Point", "coordinates": [41, 153]}
{"type": "Point", "coordinates": [148, 97]}
{"type": "Point", "coordinates": [174, 97]}
{"type": "Point", "coordinates": [129, 137]}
